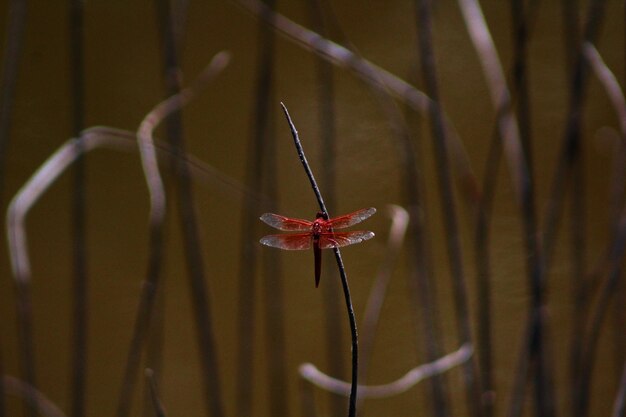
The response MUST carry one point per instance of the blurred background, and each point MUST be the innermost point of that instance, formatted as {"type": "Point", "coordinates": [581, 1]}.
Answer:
{"type": "Point", "coordinates": [232, 321]}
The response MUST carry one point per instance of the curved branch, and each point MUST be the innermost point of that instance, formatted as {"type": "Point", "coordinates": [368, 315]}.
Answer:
{"type": "Point", "coordinates": [500, 96]}
{"type": "Point", "coordinates": [34, 188]}
{"type": "Point", "coordinates": [152, 120]}
{"type": "Point", "coordinates": [309, 372]}
{"type": "Point", "coordinates": [610, 84]}
{"type": "Point", "coordinates": [35, 398]}
{"type": "Point", "coordinates": [91, 138]}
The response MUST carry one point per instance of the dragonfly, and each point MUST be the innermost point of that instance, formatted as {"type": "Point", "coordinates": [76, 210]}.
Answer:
{"type": "Point", "coordinates": [319, 233]}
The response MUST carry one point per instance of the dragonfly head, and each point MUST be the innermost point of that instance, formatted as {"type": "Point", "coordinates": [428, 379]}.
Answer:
{"type": "Point", "coordinates": [321, 215]}
{"type": "Point", "coordinates": [320, 224]}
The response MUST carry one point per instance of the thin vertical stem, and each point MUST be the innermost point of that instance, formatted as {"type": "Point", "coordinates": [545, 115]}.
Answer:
{"type": "Point", "coordinates": [274, 298]}
{"type": "Point", "coordinates": [157, 213]}
{"type": "Point", "coordinates": [427, 59]}
{"type": "Point", "coordinates": [571, 35]}
{"type": "Point", "coordinates": [570, 148]}
{"type": "Point", "coordinates": [273, 287]}
{"type": "Point", "coordinates": [520, 377]}
{"type": "Point", "coordinates": [519, 17]}
{"type": "Point", "coordinates": [11, 59]}
{"type": "Point", "coordinates": [142, 320]}
{"type": "Point", "coordinates": [535, 347]}
{"type": "Point", "coordinates": [25, 334]}
{"type": "Point", "coordinates": [543, 386]}
{"type": "Point", "coordinates": [198, 288]}
{"type": "Point", "coordinates": [596, 316]}
{"type": "Point", "coordinates": [569, 164]}
{"type": "Point", "coordinates": [81, 302]}
{"type": "Point", "coordinates": [259, 134]}
{"type": "Point", "coordinates": [342, 271]}
{"type": "Point", "coordinates": [588, 352]}
{"type": "Point", "coordinates": [610, 286]}
{"type": "Point", "coordinates": [483, 268]}
{"type": "Point", "coordinates": [577, 208]}
{"type": "Point", "coordinates": [3, 412]}
{"type": "Point", "coordinates": [571, 39]}
{"type": "Point", "coordinates": [422, 286]}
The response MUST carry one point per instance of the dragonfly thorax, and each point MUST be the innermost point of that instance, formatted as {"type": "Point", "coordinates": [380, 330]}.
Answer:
{"type": "Point", "coordinates": [318, 226]}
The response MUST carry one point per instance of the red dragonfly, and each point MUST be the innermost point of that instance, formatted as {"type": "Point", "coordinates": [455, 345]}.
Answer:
{"type": "Point", "coordinates": [320, 232]}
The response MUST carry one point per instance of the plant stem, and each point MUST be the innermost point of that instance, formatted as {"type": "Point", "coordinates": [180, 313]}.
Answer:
{"type": "Point", "coordinates": [80, 307]}
{"type": "Point", "coordinates": [342, 271]}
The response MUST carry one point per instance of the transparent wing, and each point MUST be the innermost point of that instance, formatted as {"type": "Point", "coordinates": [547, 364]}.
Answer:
{"type": "Point", "coordinates": [338, 240]}
{"type": "Point", "coordinates": [286, 223]}
{"type": "Point", "coordinates": [299, 241]}
{"type": "Point", "coordinates": [348, 220]}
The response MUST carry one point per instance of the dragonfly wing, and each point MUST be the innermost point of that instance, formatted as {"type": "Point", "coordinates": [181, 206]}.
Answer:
{"type": "Point", "coordinates": [299, 241]}
{"type": "Point", "coordinates": [286, 223]}
{"type": "Point", "coordinates": [350, 219]}
{"type": "Point", "coordinates": [338, 240]}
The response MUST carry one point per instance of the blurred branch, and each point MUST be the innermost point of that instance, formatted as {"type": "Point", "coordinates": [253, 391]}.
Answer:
{"type": "Point", "coordinates": [309, 372]}
{"type": "Point", "coordinates": [500, 97]}
{"type": "Point", "coordinates": [157, 215]}
{"type": "Point", "coordinates": [171, 23]}
{"type": "Point", "coordinates": [25, 199]}
{"type": "Point", "coordinates": [615, 251]}
{"type": "Point", "coordinates": [616, 97]}
{"type": "Point", "coordinates": [397, 231]}
{"type": "Point", "coordinates": [159, 410]}
{"type": "Point", "coordinates": [619, 408]}
{"type": "Point", "coordinates": [439, 134]}
{"type": "Point", "coordinates": [80, 307]}
{"type": "Point", "coordinates": [55, 165]}
{"type": "Point", "coordinates": [370, 74]}
{"type": "Point", "coordinates": [570, 147]}
{"type": "Point", "coordinates": [610, 84]}
{"type": "Point", "coordinates": [523, 15]}
{"type": "Point", "coordinates": [37, 401]}
{"type": "Point", "coordinates": [259, 150]}
{"type": "Point", "coordinates": [337, 54]}
{"type": "Point", "coordinates": [49, 171]}
{"type": "Point", "coordinates": [320, 13]}
{"type": "Point", "coordinates": [154, 118]}
{"type": "Point", "coordinates": [508, 131]}
{"type": "Point", "coordinates": [571, 35]}
{"type": "Point", "coordinates": [40, 181]}
{"type": "Point", "coordinates": [11, 58]}
{"type": "Point", "coordinates": [482, 256]}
